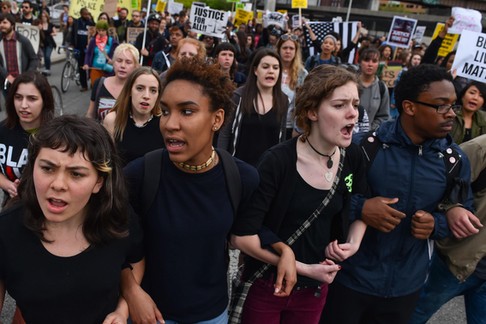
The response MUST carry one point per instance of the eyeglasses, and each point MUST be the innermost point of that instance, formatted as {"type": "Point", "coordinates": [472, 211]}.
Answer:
{"type": "Point", "coordinates": [25, 7]}
{"type": "Point", "coordinates": [286, 37]}
{"type": "Point", "coordinates": [441, 109]}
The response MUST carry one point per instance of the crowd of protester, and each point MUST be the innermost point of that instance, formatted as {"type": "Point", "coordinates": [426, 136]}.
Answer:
{"type": "Point", "coordinates": [349, 198]}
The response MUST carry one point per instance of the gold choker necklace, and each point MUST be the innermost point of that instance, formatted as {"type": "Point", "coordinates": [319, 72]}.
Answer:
{"type": "Point", "coordinates": [200, 166]}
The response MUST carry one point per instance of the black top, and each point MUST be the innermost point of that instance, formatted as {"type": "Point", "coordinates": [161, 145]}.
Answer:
{"type": "Point", "coordinates": [103, 100]}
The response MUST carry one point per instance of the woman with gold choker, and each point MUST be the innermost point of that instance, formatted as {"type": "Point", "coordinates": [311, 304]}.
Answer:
{"type": "Point", "coordinates": [29, 104]}
{"type": "Point", "coordinates": [134, 120]}
{"type": "Point", "coordinates": [307, 180]}
{"type": "Point", "coordinates": [187, 224]}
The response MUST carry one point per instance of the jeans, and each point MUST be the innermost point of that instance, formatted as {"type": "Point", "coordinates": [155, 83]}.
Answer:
{"type": "Point", "coordinates": [441, 286]}
{"type": "Point", "coordinates": [47, 56]}
{"type": "Point", "coordinates": [302, 306]}
{"type": "Point", "coordinates": [221, 319]}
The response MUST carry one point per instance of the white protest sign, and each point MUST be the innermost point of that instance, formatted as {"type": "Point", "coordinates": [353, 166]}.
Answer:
{"type": "Point", "coordinates": [419, 33]}
{"type": "Point", "coordinates": [274, 18]}
{"type": "Point", "coordinates": [470, 60]}
{"type": "Point", "coordinates": [401, 31]}
{"type": "Point", "coordinates": [31, 32]}
{"type": "Point", "coordinates": [465, 19]}
{"type": "Point", "coordinates": [208, 21]}
{"type": "Point", "coordinates": [296, 21]}
{"type": "Point", "coordinates": [174, 7]}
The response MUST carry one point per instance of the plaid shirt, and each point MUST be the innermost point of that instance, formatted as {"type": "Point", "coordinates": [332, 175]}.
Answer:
{"type": "Point", "coordinates": [10, 48]}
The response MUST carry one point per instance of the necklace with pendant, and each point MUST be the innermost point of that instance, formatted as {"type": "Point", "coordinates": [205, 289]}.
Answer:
{"type": "Point", "coordinates": [328, 174]}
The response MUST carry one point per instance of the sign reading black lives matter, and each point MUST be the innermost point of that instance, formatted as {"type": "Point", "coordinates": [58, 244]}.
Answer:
{"type": "Point", "coordinates": [401, 31]}
{"type": "Point", "coordinates": [470, 60]}
{"type": "Point", "coordinates": [208, 21]}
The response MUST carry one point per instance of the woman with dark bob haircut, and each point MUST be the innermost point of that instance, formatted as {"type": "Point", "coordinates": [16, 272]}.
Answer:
{"type": "Point", "coordinates": [30, 104]}
{"type": "Point", "coordinates": [66, 239]}
{"type": "Point", "coordinates": [188, 222]}
{"type": "Point", "coordinates": [309, 179]}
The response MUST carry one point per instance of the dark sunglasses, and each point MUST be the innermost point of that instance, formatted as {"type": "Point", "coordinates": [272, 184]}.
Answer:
{"type": "Point", "coordinates": [286, 37]}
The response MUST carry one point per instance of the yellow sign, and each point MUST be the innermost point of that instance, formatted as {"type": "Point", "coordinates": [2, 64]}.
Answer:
{"type": "Point", "coordinates": [160, 6]}
{"type": "Point", "coordinates": [242, 17]}
{"type": "Point", "coordinates": [299, 4]}
{"type": "Point", "coordinates": [282, 11]}
{"type": "Point", "coordinates": [95, 7]}
{"type": "Point", "coordinates": [390, 73]}
{"type": "Point", "coordinates": [259, 18]}
{"type": "Point", "coordinates": [448, 43]}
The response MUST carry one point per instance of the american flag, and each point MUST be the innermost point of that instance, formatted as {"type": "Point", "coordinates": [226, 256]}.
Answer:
{"type": "Point", "coordinates": [347, 30]}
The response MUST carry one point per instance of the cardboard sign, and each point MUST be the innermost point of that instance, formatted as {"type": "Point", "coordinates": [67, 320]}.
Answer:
{"type": "Point", "coordinates": [31, 32]}
{"type": "Point", "coordinates": [401, 31]}
{"type": "Point", "coordinates": [207, 21]}
{"type": "Point", "coordinates": [465, 19]}
{"type": "Point", "coordinates": [132, 34]}
{"type": "Point", "coordinates": [299, 4]}
{"type": "Point", "coordinates": [174, 7]}
{"type": "Point", "coordinates": [470, 60]}
{"type": "Point", "coordinates": [275, 18]}
{"type": "Point", "coordinates": [448, 43]}
{"type": "Point", "coordinates": [389, 75]}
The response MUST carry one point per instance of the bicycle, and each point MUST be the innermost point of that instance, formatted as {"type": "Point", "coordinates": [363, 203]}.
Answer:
{"type": "Point", "coordinates": [58, 105]}
{"type": "Point", "coordinates": [70, 70]}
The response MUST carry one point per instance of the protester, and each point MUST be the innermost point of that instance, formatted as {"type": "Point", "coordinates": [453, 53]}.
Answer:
{"type": "Point", "coordinates": [414, 60]}
{"type": "Point", "coordinates": [193, 207]}
{"type": "Point", "coordinates": [66, 240]}
{"type": "Point", "coordinates": [29, 105]}
{"type": "Point", "coordinates": [260, 117]}
{"type": "Point", "coordinates": [470, 120]}
{"type": "Point", "coordinates": [153, 40]}
{"type": "Point", "coordinates": [189, 47]}
{"type": "Point", "coordinates": [105, 91]}
{"type": "Point", "coordinates": [134, 119]}
{"type": "Point", "coordinates": [80, 37]}
{"type": "Point", "coordinates": [121, 24]}
{"type": "Point", "coordinates": [48, 31]}
{"type": "Point", "coordinates": [308, 175]}
{"type": "Point", "coordinates": [293, 73]}
{"type": "Point", "coordinates": [458, 266]}
{"type": "Point", "coordinates": [328, 46]}
{"type": "Point", "coordinates": [409, 161]}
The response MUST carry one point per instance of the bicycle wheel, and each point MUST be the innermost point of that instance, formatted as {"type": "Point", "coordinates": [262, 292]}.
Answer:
{"type": "Point", "coordinates": [76, 74]}
{"type": "Point", "coordinates": [67, 72]}
{"type": "Point", "coordinates": [58, 106]}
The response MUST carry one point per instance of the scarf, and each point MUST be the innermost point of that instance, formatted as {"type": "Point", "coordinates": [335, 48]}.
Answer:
{"type": "Point", "coordinates": [101, 42]}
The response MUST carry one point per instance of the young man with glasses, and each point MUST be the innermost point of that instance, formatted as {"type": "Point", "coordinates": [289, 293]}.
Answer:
{"type": "Point", "coordinates": [412, 203]}
{"type": "Point", "coordinates": [28, 17]}
{"type": "Point", "coordinates": [136, 20]}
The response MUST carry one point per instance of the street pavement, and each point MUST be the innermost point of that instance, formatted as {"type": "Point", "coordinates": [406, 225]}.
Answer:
{"type": "Point", "coordinates": [76, 102]}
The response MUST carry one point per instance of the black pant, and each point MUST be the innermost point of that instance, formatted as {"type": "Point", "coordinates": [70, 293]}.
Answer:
{"type": "Point", "coordinates": [347, 306]}
{"type": "Point", "coordinates": [82, 73]}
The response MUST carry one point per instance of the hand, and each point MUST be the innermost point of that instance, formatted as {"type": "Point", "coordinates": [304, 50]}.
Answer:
{"type": "Point", "coordinates": [10, 78]}
{"type": "Point", "coordinates": [462, 222]}
{"type": "Point", "coordinates": [115, 318]}
{"type": "Point", "coordinates": [286, 274]}
{"type": "Point", "coordinates": [448, 24]}
{"type": "Point", "coordinates": [422, 224]}
{"type": "Point", "coordinates": [378, 214]}
{"type": "Point", "coordinates": [142, 308]}
{"type": "Point", "coordinates": [86, 67]}
{"type": "Point", "coordinates": [144, 52]}
{"type": "Point", "coordinates": [324, 271]}
{"type": "Point", "coordinates": [12, 188]}
{"type": "Point", "coordinates": [340, 252]}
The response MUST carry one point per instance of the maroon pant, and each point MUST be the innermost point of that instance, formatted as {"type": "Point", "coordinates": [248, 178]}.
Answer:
{"type": "Point", "coordinates": [304, 305]}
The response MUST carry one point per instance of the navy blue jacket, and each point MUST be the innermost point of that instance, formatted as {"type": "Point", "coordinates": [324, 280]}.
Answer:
{"type": "Point", "coordinates": [395, 264]}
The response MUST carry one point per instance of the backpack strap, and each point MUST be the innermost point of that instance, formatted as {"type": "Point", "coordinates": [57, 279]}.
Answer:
{"type": "Point", "coordinates": [370, 144]}
{"type": "Point", "coordinates": [151, 178]}
{"type": "Point", "coordinates": [233, 178]}
{"type": "Point", "coordinates": [382, 89]}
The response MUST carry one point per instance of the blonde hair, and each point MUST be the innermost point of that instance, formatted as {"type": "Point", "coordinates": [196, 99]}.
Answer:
{"type": "Point", "coordinates": [201, 48]}
{"type": "Point", "coordinates": [126, 47]}
{"type": "Point", "coordinates": [296, 66]}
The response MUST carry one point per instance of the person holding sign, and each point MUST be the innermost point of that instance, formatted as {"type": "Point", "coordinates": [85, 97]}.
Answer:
{"type": "Point", "coordinates": [470, 121]}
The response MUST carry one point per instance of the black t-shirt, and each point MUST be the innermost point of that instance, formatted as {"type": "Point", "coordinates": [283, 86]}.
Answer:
{"type": "Point", "coordinates": [105, 100]}
{"type": "Point", "coordinates": [83, 288]}
{"type": "Point", "coordinates": [13, 150]}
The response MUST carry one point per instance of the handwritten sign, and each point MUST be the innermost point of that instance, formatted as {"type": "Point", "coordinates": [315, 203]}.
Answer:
{"type": "Point", "coordinates": [465, 19]}
{"type": "Point", "coordinates": [174, 7]}
{"type": "Point", "coordinates": [208, 21]}
{"type": "Point", "coordinates": [31, 32]}
{"type": "Point", "coordinates": [389, 75]}
{"type": "Point", "coordinates": [470, 60]}
{"type": "Point", "coordinates": [95, 7]}
{"type": "Point", "coordinates": [132, 34]}
{"type": "Point", "coordinates": [401, 31]}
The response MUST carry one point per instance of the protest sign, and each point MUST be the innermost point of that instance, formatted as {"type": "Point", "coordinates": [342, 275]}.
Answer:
{"type": "Point", "coordinates": [132, 33]}
{"type": "Point", "coordinates": [208, 21]}
{"type": "Point", "coordinates": [401, 31]}
{"type": "Point", "coordinates": [242, 17]}
{"type": "Point", "coordinates": [95, 7]}
{"type": "Point", "coordinates": [160, 6]}
{"type": "Point", "coordinates": [470, 60]}
{"type": "Point", "coordinates": [448, 43]}
{"type": "Point", "coordinates": [259, 17]}
{"type": "Point", "coordinates": [465, 19]}
{"type": "Point", "coordinates": [299, 4]}
{"type": "Point", "coordinates": [419, 33]}
{"type": "Point", "coordinates": [174, 7]}
{"type": "Point", "coordinates": [31, 32]}
{"type": "Point", "coordinates": [275, 18]}
{"type": "Point", "coordinates": [389, 74]}
{"type": "Point", "coordinates": [296, 21]}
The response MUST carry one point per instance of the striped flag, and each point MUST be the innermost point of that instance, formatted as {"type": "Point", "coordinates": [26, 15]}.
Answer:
{"type": "Point", "coordinates": [347, 30]}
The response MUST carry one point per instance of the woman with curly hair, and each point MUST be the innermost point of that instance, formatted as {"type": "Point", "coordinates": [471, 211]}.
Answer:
{"type": "Point", "coordinates": [188, 222]}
